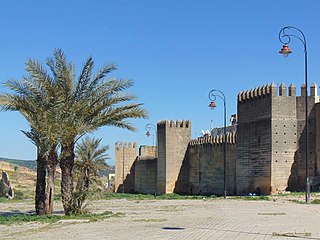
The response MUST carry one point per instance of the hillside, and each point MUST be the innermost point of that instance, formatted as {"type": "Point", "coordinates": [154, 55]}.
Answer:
{"type": "Point", "coordinates": [32, 164]}
{"type": "Point", "coordinates": [23, 163]}
{"type": "Point", "coordinates": [22, 179]}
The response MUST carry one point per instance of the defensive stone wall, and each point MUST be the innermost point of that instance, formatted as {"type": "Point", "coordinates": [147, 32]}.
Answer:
{"type": "Point", "coordinates": [254, 137]}
{"type": "Point", "coordinates": [298, 170]}
{"type": "Point", "coordinates": [284, 136]}
{"type": "Point", "coordinates": [146, 175]}
{"type": "Point", "coordinates": [317, 150]}
{"type": "Point", "coordinates": [148, 151]}
{"type": "Point", "coordinates": [271, 138]}
{"type": "Point", "coordinates": [173, 140]}
{"type": "Point", "coordinates": [125, 156]}
{"type": "Point", "coordinates": [266, 155]}
{"type": "Point", "coordinates": [205, 165]}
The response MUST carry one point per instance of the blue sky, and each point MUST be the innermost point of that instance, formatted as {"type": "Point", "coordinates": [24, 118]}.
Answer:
{"type": "Point", "coordinates": [174, 51]}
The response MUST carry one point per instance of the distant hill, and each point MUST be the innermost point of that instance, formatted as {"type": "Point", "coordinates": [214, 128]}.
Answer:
{"type": "Point", "coordinates": [23, 163]}
{"type": "Point", "coordinates": [33, 165]}
{"type": "Point", "coordinates": [110, 169]}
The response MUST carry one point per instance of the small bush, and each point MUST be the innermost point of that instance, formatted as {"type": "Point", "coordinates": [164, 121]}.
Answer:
{"type": "Point", "coordinates": [316, 201]}
{"type": "Point", "coordinates": [18, 195]}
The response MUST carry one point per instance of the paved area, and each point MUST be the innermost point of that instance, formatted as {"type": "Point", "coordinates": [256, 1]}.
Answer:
{"type": "Point", "coordinates": [183, 219]}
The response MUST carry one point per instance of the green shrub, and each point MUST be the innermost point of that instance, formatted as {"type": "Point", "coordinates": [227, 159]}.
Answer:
{"type": "Point", "coordinates": [18, 195]}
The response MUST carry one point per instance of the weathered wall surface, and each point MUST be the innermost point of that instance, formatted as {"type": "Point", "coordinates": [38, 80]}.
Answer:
{"type": "Point", "coordinates": [284, 137]}
{"type": "Point", "coordinates": [317, 151]}
{"type": "Point", "coordinates": [269, 155]}
{"type": "Point", "coordinates": [125, 156]}
{"type": "Point", "coordinates": [253, 166]}
{"type": "Point", "coordinates": [148, 151]}
{"type": "Point", "coordinates": [205, 166]}
{"type": "Point", "coordinates": [271, 144]}
{"type": "Point", "coordinates": [145, 175]}
{"type": "Point", "coordinates": [173, 140]}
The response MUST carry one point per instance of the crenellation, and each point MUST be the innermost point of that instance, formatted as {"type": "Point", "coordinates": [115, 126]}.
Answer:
{"type": "Point", "coordinates": [243, 95]}
{"type": "Point", "coordinates": [255, 93]}
{"type": "Point", "coordinates": [251, 93]}
{"type": "Point", "coordinates": [247, 94]}
{"type": "Point", "coordinates": [273, 89]}
{"type": "Point", "coordinates": [282, 90]}
{"type": "Point", "coordinates": [259, 92]}
{"type": "Point", "coordinates": [186, 124]}
{"type": "Point", "coordinates": [125, 145]}
{"type": "Point", "coordinates": [303, 90]}
{"type": "Point", "coordinates": [292, 90]}
{"type": "Point", "coordinates": [125, 156]}
{"type": "Point", "coordinates": [175, 124]}
{"type": "Point", "coordinates": [172, 123]}
{"type": "Point", "coordinates": [216, 140]}
{"type": "Point", "coordinates": [314, 90]}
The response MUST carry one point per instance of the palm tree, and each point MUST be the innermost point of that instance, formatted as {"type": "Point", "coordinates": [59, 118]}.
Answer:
{"type": "Point", "coordinates": [90, 160]}
{"type": "Point", "coordinates": [89, 103]}
{"type": "Point", "coordinates": [34, 97]}
{"type": "Point", "coordinates": [61, 109]}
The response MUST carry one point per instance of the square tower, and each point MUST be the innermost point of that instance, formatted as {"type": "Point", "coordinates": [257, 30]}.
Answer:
{"type": "Point", "coordinates": [173, 140]}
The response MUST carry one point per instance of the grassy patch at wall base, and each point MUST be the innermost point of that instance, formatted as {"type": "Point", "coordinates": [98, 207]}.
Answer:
{"type": "Point", "coordinates": [25, 218]}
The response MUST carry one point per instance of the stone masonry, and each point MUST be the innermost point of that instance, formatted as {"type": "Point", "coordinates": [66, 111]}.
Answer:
{"type": "Point", "coordinates": [266, 152]}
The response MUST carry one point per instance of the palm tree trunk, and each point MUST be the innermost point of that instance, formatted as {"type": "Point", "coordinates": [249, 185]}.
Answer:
{"type": "Point", "coordinates": [40, 198]}
{"type": "Point", "coordinates": [51, 168]}
{"type": "Point", "coordinates": [87, 179]}
{"type": "Point", "coordinates": [66, 164]}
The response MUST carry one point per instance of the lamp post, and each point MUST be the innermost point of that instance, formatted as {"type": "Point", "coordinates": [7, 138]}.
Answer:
{"type": "Point", "coordinates": [151, 127]}
{"type": "Point", "coordinates": [117, 143]}
{"type": "Point", "coordinates": [285, 39]}
{"type": "Point", "coordinates": [213, 94]}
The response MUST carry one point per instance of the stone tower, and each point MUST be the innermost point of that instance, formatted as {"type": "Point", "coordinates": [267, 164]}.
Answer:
{"type": "Point", "coordinates": [173, 140]}
{"type": "Point", "coordinates": [271, 139]}
{"type": "Point", "coordinates": [125, 156]}
{"type": "Point", "coordinates": [297, 177]}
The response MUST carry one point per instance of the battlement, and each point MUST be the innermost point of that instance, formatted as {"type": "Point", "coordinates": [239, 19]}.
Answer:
{"type": "Point", "coordinates": [121, 145]}
{"type": "Point", "coordinates": [271, 90]}
{"type": "Point", "coordinates": [219, 139]}
{"type": "Point", "coordinates": [147, 151]}
{"type": "Point", "coordinates": [177, 123]}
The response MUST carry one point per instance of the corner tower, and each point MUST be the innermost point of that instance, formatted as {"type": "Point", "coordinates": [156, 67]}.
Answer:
{"type": "Point", "coordinates": [125, 156]}
{"type": "Point", "coordinates": [173, 140]}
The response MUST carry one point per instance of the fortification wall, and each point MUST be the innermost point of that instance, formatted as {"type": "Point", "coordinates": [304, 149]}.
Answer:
{"type": "Point", "coordinates": [125, 156]}
{"type": "Point", "coordinates": [206, 165]}
{"type": "Point", "coordinates": [284, 137]}
{"type": "Point", "coordinates": [271, 138]}
{"type": "Point", "coordinates": [146, 151]}
{"type": "Point", "coordinates": [145, 175]}
{"type": "Point", "coordinates": [298, 173]}
{"type": "Point", "coordinates": [173, 140]}
{"type": "Point", "coordinates": [317, 150]}
{"type": "Point", "coordinates": [253, 149]}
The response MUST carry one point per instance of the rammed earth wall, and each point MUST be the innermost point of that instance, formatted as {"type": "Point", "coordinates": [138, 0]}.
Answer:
{"type": "Point", "coordinates": [266, 155]}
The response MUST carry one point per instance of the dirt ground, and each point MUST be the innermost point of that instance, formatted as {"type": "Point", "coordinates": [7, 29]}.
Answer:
{"type": "Point", "coordinates": [177, 219]}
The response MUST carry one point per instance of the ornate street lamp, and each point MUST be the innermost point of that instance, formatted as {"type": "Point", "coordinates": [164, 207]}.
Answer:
{"type": "Point", "coordinates": [213, 94]}
{"type": "Point", "coordinates": [151, 127]}
{"type": "Point", "coordinates": [285, 38]}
